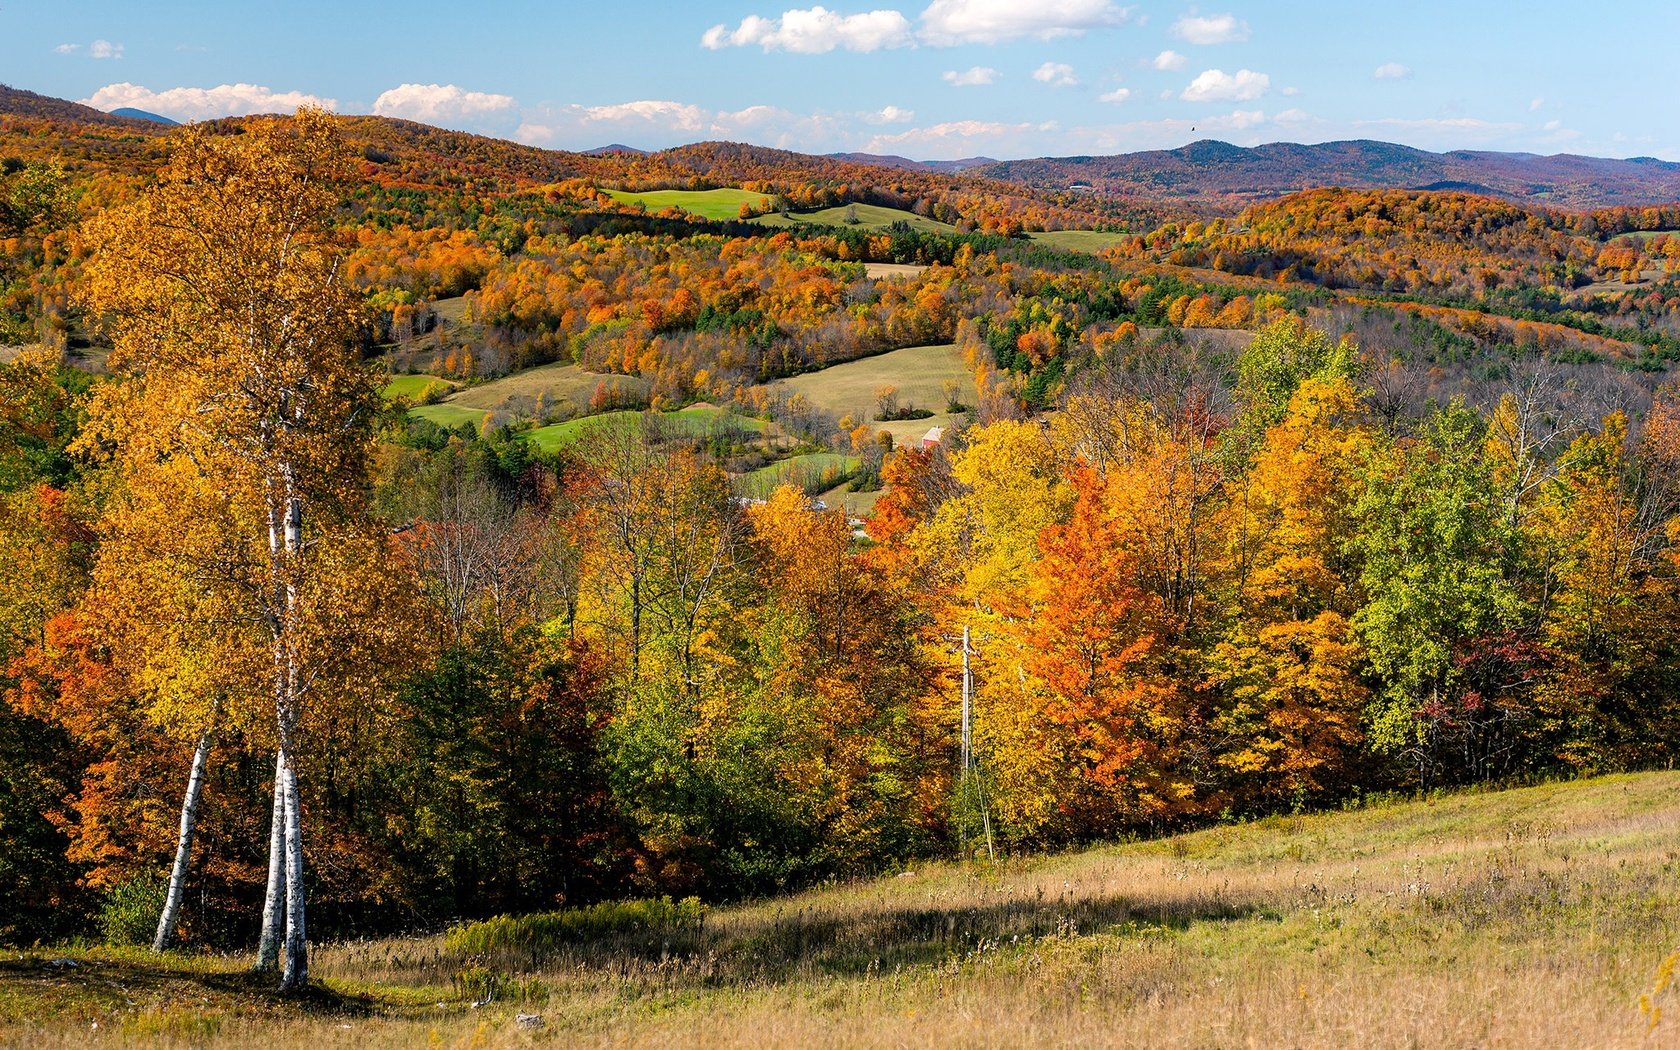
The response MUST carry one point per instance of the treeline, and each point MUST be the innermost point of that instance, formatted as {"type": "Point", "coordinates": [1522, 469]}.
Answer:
{"type": "Point", "coordinates": [1198, 591]}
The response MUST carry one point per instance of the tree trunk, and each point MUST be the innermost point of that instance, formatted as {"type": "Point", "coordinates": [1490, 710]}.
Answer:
{"type": "Point", "coordinates": [183, 847]}
{"type": "Point", "coordinates": [274, 901]}
{"type": "Point", "coordinates": [296, 973]}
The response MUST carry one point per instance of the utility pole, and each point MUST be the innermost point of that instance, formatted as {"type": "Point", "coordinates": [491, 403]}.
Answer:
{"type": "Point", "coordinates": [970, 790]}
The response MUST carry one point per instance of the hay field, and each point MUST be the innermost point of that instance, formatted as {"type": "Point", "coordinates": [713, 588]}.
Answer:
{"type": "Point", "coordinates": [1529, 917]}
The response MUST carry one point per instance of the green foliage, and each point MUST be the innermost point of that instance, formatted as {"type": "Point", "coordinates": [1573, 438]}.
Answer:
{"type": "Point", "coordinates": [1438, 558]}
{"type": "Point", "coordinates": [1271, 368]}
{"type": "Point", "coordinates": [547, 932]}
{"type": "Point", "coordinates": [131, 909]}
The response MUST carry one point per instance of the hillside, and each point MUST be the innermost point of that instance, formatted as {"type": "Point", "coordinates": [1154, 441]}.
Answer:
{"type": "Point", "coordinates": [1520, 918]}
{"type": "Point", "coordinates": [1211, 171]}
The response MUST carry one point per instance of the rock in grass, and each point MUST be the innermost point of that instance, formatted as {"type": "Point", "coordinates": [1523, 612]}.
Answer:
{"type": "Point", "coordinates": [528, 1020]}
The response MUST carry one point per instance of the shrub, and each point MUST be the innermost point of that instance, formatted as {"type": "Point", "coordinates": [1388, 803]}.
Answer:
{"type": "Point", "coordinates": [545, 932]}
{"type": "Point", "coordinates": [131, 910]}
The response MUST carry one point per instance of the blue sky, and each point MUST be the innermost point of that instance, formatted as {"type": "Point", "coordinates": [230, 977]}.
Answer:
{"type": "Point", "coordinates": [930, 79]}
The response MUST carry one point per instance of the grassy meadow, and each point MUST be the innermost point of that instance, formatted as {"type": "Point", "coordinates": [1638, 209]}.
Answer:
{"type": "Point", "coordinates": [722, 203]}
{"type": "Point", "coordinates": [412, 387]}
{"type": "Point", "coordinates": [555, 384]}
{"type": "Point", "coordinates": [1088, 241]}
{"type": "Point", "coordinates": [869, 217]}
{"type": "Point", "coordinates": [811, 468]}
{"type": "Point", "coordinates": [1529, 917]}
{"type": "Point", "coordinates": [919, 373]}
{"type": "Point", "coordinates": [696, 421]}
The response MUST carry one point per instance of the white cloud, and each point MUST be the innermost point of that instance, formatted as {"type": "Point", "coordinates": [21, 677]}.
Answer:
{"type": "Point", "coordinates": [974, 76]}
{"type": "Point", "coordinates": [1536, 103]}
{"type": "Point", "coordinates": [97, 49]}
{"type": "Point", "coordinates": [890, 115]}
{"type": "Point", "coordinates": [1392, 71]}
{"type": "Point", "coordinates": [947, 23]}
{"type": "Point", "coordinates": [1294, 116]}
{"type": "Point", "coordinates": [657, 123]}
{"type": "Point", "coordinates": [1216, 85]}
{"type": "Point", "coordinates": [1056, 74]}
{"type": "Point", "coordinates": [814, 31]}
{"type": "Point", "coordinates": [439, 103]}
{"type": "Point", "coordinates": [964, 138]}
{"type": "Point", "coordinates": [1117, 95]}
{"type": "Point", "coordinates": [189, 103]}
{"type": "Point", "coordinates": [1553, 125]}
{"type": "Point", "coordinates": [1211, 29]}
{"type": "Point", "coordinates": [1291, 91]}
{"type": "Point", "coordinates": [653, 112]}
{"type": "Point", "coordinates": [1169, 61]}
{"type": "Point", "coordinates": [944, 23]}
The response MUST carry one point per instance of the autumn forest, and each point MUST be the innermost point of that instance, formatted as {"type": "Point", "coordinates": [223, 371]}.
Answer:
{"type": "Point", "coordinates": [401, 528]}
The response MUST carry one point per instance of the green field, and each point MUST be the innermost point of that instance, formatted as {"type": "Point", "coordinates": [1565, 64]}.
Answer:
{"type": "Point", "coordinates": [410, 387]}
{"type": "Point", "coordinates": [1529, 917]}
{"type": "Point", "coordinates": [869, 216]}
{"type": "Point", "coordinates": [691, 422]}
{"type": "Point", "coordinates": [804, 471]}
{"type": "Point", "coordinates": [449, 416]}
{"type": "Point", "coordinates": [1088, 241]}
{"type": "Point", "coordinates": [708, 204]}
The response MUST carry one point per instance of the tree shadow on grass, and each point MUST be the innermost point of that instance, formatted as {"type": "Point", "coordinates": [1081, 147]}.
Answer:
{"type": "Point", "coordinates": [121, 984]}
{"type": "Point", "coordinates": [800, 942]}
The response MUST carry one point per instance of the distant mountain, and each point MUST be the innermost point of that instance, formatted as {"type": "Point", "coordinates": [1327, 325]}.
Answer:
{"type": "Point", "coordinates": [947, 167]}
{"type": "Point", "coordinates": [617, 147]}
{"type": "Point", "coordinates": [140, 114]}
{"type": "Point", "coordinates": [1218, 172]}
{"type": "Point", "coordinates": [19, 103]}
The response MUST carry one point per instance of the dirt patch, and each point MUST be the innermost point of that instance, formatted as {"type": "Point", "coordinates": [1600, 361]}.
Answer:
{"type": "Point", "coordinates": [878, 271]}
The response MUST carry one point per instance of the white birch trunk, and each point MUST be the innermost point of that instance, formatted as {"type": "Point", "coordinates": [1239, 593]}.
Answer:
{"type": "Point", "coordinates": [290, 700]}
{"type": "Point", "coordinates": [183, 847]}
{"type": "Point", "coordinates": [274, 901]}
{"type": "Point", "coordinates": [296, 973]}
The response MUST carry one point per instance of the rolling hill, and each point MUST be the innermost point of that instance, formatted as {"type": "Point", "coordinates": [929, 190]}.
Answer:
{"type": "Point", "coordinates": [1212, 171]}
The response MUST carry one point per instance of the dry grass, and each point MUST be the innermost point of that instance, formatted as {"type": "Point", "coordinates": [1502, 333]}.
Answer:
{"type": "Point", "coordinates": [557, 384]}
{"type": "Point", "coordinates": [1534, 917]}
{"type": "Point", "coordinates": [919, 373]}
{"type": "Point", "coordinates": [879, 270]}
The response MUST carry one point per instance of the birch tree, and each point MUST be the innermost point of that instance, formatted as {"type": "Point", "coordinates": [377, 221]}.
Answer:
{"type": "Point", "coordinates": [222, 294]}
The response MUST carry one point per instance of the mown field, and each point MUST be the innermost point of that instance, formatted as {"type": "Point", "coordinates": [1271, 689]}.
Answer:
{"type": "Point", "coordinates": [919, 373]}
{"type": "Point", "coordinates": [809, 470]}
{"type": "Point", "coordinates": [556, 385]}
{"type": "Point", "coordinates": [412, 386]}
{"type": "Point", "coordinates": [1088, 241]}
{"type": "Point", "coordinates": [697, 421]}
{"type": "Point", "coordinates": [708, 204]}
{"type": "Point", "coordinates": [1531, 917]}
{"type": "Point", "coordinates": [867, 216]}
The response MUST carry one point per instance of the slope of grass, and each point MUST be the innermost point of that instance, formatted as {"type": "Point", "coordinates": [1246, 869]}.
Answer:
{"type": "Point", "coordinates": [556, 384]}
{"type": "Point", "coordinates": [869, 217]}
{"type": "Point", "coordinates": [806, 471]}
{"type": "Point", "coordinates": [1088, 241]}
{"type": "Point", "coordinates": [411, 387]}
{"type": "Point", "coordinates": [919, 373]}
{"type": "Point", "coordinates": [689, 422]}
{"type": "Point", "coordinates": [722, 203]}
{"type": "Point", "coordinates": [1531, 917]}
{"type": "Point", "coordinates": [448, 415]}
